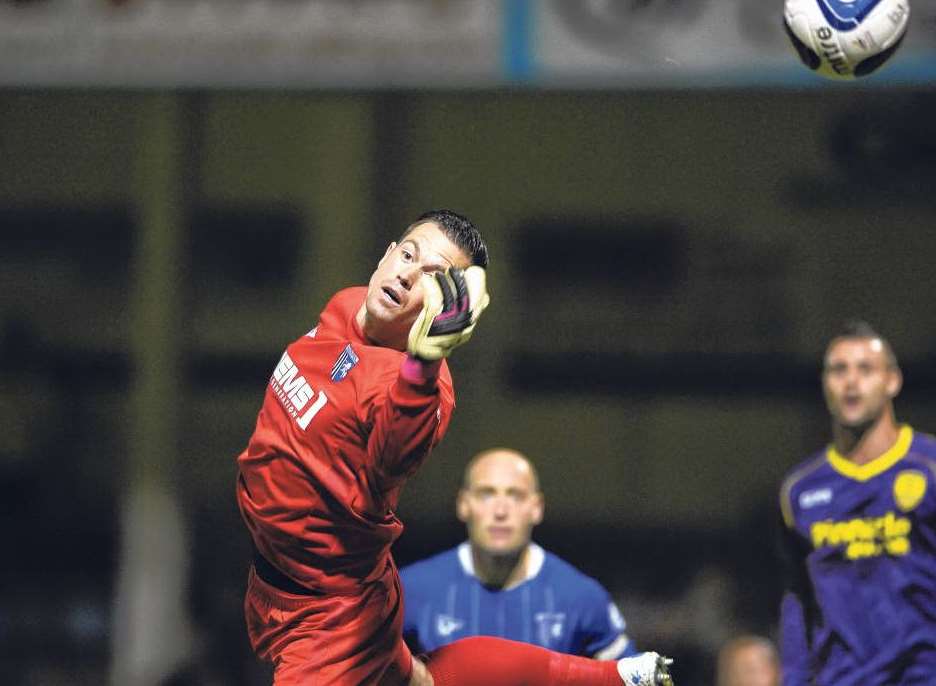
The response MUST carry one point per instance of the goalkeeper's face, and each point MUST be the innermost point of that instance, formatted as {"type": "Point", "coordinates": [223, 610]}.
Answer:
{"type": "Point", "coordinates": [500, 502]}
{"type": "Point", "coordinates": [394, 292]}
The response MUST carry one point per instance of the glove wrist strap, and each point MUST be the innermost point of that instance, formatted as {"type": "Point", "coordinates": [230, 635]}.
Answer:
{"type": "Point", "coordinates": [419, 372]}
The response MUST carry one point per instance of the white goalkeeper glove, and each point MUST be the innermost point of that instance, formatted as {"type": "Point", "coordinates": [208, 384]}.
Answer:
{"type": "Point", "coordinates": [452, 303]}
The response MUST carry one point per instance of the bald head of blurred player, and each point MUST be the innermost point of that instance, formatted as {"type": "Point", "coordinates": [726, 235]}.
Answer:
{"type": "Point", "coordinates": [748, 661]}
{"type": "Point", "coordinates": [860, 379]}
{"type": "Point", "coordinates": [500, 502]}
{"type": "Point", "coordinates": [435, 242]}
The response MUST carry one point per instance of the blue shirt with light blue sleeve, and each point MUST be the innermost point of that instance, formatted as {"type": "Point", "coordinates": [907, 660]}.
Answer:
{"type": "Point", "coordinates": [556, 606]}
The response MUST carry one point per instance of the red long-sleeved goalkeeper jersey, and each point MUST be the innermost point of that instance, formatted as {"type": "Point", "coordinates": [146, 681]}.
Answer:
{"type": "Point", "coordinates": [338, 434]}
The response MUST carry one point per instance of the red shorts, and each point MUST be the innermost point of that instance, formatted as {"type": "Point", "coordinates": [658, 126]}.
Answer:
{"type": "Point", "coordinates": [332, 639]}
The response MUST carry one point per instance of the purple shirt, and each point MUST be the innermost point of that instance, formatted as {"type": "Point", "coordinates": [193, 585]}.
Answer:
{"type": "Point", "coordinates": [860, 606]}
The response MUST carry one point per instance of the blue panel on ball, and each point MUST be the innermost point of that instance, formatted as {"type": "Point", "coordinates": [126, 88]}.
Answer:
{"type": "Point", "coordinates": [846, 15]}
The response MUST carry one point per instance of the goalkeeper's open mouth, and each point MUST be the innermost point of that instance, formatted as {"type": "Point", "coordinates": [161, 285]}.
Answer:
{"type": "Point", "coordinates": [392, 296]}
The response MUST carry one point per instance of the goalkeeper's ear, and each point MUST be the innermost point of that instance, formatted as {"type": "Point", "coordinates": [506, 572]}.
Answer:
{"type": "Point", "coordinates": [387, 253]}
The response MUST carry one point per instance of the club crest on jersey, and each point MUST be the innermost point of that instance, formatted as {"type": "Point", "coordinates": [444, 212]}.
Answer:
{"type": "Point", "coordinates": [549, 625]}
{"type": "Point", "coordinates": [446, 625]}
{"type": "Point", "coordinates": [909, 489]}
{"type": "Point", "coordinates": [346, 360]}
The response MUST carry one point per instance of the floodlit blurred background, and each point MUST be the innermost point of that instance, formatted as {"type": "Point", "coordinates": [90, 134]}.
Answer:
{"type": "Point", "coordinates": [679, 215]}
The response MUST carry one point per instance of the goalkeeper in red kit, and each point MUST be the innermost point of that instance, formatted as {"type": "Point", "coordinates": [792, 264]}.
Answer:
{"type": "Point", "coordinates": [351, 410]}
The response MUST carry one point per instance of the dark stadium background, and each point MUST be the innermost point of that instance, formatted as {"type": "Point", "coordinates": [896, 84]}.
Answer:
{"type": "Point", "coordinates": [667, 263]}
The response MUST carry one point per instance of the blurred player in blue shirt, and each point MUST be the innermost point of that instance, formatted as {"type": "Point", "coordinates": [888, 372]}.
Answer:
{"type": "Point", "coordinates": [500, 583]}
{"type": "Point", "coordinates": [860, 534]}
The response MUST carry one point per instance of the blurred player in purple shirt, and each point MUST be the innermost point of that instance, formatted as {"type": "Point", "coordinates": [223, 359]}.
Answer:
{"type": "Point", "coordinates": [860, 534]}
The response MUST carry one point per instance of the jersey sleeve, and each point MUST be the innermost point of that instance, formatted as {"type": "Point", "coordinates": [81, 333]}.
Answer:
{"type": "Point", "coordinates": [794, 637]}
{"type": "Point", "coordinates": [602, 630]}
{"type": "Point", "coordinates": [406, 421]}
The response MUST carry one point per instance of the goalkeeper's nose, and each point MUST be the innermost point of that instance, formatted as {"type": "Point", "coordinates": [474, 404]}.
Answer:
{"type": "Point", "coordinates": [409, 276]}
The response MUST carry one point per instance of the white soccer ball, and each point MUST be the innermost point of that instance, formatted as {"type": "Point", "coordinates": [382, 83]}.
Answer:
{"type": "Point", "coordinates": [845, 39]}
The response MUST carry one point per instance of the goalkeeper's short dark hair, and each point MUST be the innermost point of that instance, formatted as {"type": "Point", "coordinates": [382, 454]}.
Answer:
{"type": "Point", "coordinates": [459, 230]}
{"type": "Point", "coordinates": [858, 328]}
